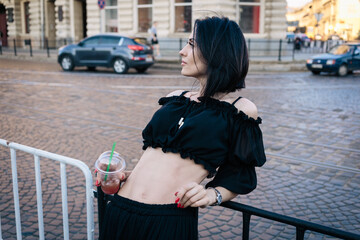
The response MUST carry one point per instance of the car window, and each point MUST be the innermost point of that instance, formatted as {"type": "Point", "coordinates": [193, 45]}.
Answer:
{"type": "Point", "coordinates": [128, 41]}
{"type": "Point", "coordinates": [339, 50]}
{"type": "Point", "coordinates": [109, 40]}
{"type": "Point", "coordinates": [357, 50]}
{"type": "Point", "coordinates": [91, 41]}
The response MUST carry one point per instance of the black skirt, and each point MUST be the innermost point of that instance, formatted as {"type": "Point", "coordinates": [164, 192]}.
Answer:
{"type": "Point", "coordinates": [128, 219]}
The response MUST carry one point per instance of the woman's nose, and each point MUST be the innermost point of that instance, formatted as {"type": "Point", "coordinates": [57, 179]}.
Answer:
{"type": "Point", "coordinates": [182, 52]}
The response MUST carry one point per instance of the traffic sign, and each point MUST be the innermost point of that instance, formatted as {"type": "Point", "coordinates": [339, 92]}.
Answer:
{"type": "Point", "coordinates": [101, 4]}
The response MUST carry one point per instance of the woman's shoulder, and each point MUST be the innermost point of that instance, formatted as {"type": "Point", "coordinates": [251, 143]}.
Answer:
{"type": "Point", "coordinates": [246, 106]}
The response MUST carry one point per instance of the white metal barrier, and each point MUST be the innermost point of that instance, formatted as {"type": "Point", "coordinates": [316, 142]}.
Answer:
{"type": "Point", "coordinates": [63, 161]}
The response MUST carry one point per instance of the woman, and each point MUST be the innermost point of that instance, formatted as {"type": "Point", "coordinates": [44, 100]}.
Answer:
{"type": "Point", "coordinates": [192, 136]}
{"type": "Point", "coordinates": [154, 38]}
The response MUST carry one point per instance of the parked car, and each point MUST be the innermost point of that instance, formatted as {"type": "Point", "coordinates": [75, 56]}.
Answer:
{"type": "Point", "coordinates": [107, 50]}
{"type": "Point", "coordinates": [342, 59]}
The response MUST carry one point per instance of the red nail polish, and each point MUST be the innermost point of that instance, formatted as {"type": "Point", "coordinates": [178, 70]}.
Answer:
{"type": "Point", "coordinates": [95, 171]}
{"type": "Point", "coordinates": [179, 205]}
{"type": "Point", "coordinates": [97, 183]}
{"type": "Point", "coordinates": [176, 193]}
{"type": "Point", "coordinates": [122, 178]}
{"type": "Point", "coordinates": [177, 200]}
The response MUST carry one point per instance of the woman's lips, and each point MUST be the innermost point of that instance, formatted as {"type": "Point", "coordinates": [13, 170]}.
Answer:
{"type": "Point", "coordinates": [183, 63]}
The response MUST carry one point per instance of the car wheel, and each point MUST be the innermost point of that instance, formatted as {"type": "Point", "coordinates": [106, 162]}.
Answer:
{"type": "Point", "coordinates": [315, 72]}
{"type": "Point", "coordinates": [120, 66]}
{"type": "Point", "coordinates": [67, 63]}
{"type": "Point", "coordinates": [141, 69]}
{"type": "Point", "coordinates": [343, 70]}
{"type": "Point", "coordinates": [91, 68]}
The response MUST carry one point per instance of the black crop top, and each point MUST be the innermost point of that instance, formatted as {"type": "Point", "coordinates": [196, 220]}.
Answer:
{"type": "Point", "coordinates": [214, 134]}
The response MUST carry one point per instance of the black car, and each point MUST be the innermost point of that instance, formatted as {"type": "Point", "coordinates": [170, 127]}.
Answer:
{"type": "Point", "coordinates": [341, 59]}
{"type": "Point", "coordinates": [107, 50]}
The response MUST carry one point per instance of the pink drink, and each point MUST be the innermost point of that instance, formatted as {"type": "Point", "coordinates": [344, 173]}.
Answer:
{"type": "Point", "coordinates": [112, 183]}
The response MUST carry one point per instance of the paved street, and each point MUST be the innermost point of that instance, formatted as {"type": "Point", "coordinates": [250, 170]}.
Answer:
{"type": "Point", "coordinates": [311, 129]}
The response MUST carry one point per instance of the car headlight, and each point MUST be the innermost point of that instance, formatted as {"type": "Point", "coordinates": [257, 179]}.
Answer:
{"type": "Point", "coordinates": [330, 62]}
{"type": "Point", "coordinates": [309, 61]}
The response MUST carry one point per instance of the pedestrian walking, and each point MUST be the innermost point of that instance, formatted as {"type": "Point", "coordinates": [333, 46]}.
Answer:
{"type": "Point", "coordinates": [194, 135]}
{"type": "Point", "coordinates": [154, 38]}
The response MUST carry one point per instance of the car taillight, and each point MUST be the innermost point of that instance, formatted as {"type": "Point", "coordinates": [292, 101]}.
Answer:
{"type": "Point", "coordinates": [136, 47]}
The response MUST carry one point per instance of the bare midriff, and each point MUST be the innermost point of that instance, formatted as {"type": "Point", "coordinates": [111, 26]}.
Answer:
{"type": "Point", "coordinates": [158, 175]}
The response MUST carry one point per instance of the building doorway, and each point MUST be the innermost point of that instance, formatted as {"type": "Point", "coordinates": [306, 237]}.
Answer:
{"type": "Point", "coordinates": [3, 26]}
{"type": "Point", "coordinates": [50, 23]}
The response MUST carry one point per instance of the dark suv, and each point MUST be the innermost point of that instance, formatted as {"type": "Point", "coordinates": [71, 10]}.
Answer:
{"type": "Point", "coordinates": [107, 50]}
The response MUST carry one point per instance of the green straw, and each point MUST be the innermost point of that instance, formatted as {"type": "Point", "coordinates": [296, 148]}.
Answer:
{"type": "Point", "coordinates": [112, 152]}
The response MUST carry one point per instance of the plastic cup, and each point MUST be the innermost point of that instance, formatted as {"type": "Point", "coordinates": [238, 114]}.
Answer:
{"type": "Point", "coordinates": [117, 165]}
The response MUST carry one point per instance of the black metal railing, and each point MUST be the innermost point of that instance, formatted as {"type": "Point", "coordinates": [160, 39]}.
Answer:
{"type": "Point", "coordinates": [259, 49]}
{"type": "Point", "coordinates": [247, 211]}
{"type": "Point", "coordinates": [301, 225]}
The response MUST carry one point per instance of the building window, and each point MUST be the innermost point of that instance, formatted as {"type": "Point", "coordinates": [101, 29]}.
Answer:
{"type": "Point", "coordinates": [111, 16]}
{"type": "Point", "coordinates": [144, 15]}
{"type": "Point", "coordinates": [248, 15]}
{"type": "Point", "coordinates": [183, 15]}
{"type": "Point", "coordinates": [27, 16]}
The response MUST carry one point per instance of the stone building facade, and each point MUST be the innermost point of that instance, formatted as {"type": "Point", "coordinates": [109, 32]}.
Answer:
{"type": "Point", "coordinates": [59, 21]}
{"type": "Point", "coordinates": [325, 18]}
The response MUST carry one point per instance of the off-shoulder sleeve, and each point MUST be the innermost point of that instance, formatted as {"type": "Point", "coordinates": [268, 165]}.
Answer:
{"type": "Point", "coordinates": [237, 173]}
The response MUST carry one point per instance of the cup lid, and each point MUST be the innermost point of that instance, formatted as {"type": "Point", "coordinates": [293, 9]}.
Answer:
{"type": "Point", "coordinates": [116, 157]}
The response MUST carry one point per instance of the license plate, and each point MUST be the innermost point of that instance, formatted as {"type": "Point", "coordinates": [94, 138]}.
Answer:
{"type": "Point", "coordinates": [317, 66]}
{"type": "Point", "coordinates": [149, 58]}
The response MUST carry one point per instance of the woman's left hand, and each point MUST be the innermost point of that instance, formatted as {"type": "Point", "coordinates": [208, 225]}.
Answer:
{"type": "Point", "coordinates": [194, 195]}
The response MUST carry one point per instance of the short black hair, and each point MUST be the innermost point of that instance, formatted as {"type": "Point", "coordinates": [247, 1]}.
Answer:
{"type": "Point", "coordinates": [223, 48]}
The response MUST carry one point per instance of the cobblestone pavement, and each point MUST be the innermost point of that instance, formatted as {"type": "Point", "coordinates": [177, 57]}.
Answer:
{"type": "Point", "coordinates": [311, 128]}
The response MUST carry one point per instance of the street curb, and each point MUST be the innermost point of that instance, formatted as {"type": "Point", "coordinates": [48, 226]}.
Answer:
{"type": "Point", "coordinates": [255, 66]}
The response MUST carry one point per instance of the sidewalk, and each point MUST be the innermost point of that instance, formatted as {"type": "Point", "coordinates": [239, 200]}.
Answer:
{"type": "Point", "coordinates": [257, 63]}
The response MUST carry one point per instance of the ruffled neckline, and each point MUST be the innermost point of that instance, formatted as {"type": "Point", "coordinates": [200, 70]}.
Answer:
{"type": "Point", "coordinates": [211, 102]}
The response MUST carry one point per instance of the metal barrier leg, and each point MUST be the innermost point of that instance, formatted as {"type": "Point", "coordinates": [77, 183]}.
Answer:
{"type": "Point", "coordinates": [0, 229]}
{"type": "Point", "coordinates": [16, 193]}
{"type": "Point", "coordinates": [101, 206]}
{"type": "Point", "coordinates": [300, 232]}
{"type": "Point", "coordinates": [39, 197]}
{"type": "Point", "coordinates": [246, 226]}
{"type": "Point", "coordinates": [64, 200]}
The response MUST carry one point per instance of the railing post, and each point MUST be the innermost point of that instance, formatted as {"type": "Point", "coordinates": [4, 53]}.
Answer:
{"type": "Point", "coordinates": [180, 47]}
{"type": "Point", "coordinates": [14, 46]}
{"type": "Point", "coordinates": [0, 54]}
{"type": "Point", "coordinates": [280, 44]}
{"type": "Point", "coordinates": [293, 52]}
{"type": "Point", "coordinates": [300, 232]}
{"type": "Point", "coordinates": [249, 47]}
{"type": "Point", "coordinates": [246, 226]}
{"type": "Point", "coordinates": [30, 48]}
{"type": "Point", "coordinates": [47, 47]}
